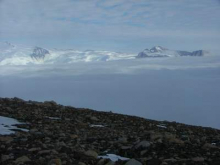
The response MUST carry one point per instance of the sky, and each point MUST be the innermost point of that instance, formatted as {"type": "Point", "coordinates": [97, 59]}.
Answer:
{"type": "Point", "coordinates": [115, 25]}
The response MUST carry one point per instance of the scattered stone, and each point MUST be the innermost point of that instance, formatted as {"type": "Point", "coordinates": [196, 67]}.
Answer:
{"type": "Point", "coordinates": [209, 146]}
{"type": "Point", "coordinates": [50, 103]}
{"type": "Point", "coordinates": [81, 163]}
{"type": "Point", "coordinates": [34, 149]}
{"type": "Point", "coordinates": [198, 159]}
{"type": "Point", "coordinates": [55, 162]}
{"type": "Point", "coordinates": [22, 160]}
{"type": "Point", "coordinates": [175, 140]}
{"type": "Point", "coordinates": [143, 144]}
{"type": "Point", "coordinates": [74, 136]}
{"type": "Point", "coordinates": [93, 118]}
{"type": "Point", "coordinates": [155, 136]}
{"type": "Point", "coordinates": [110, 163]}
{"type": "Point", "coordinates": [101, 162]}
{"type": "Point", "coordinates": [170, 160]}
{"type": "Point", "coordinates": [122, 140]}
{"type": "Point", "coordinates": [5, 158]}
{"type": "Point", "coordinates": [133, 162]}
{"type": "Point", "coordinates": [77, 135]}
{"type": "Point", "coordinates": [6, 139]}
{"type": "Point", "coordinates": [91, 153]}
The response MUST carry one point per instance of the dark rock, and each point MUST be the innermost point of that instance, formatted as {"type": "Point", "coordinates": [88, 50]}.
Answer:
{"type": "Point", "coordinates": [65, 133]}
{"type": "Point", "coordinates": [39, 53]}
{"type": "Point", "coordinates": [91, 153]}
{"type": "Point", "coordinates": [22, 160]}
{"type": "Point", "coordinates": [143, 145]}
{"type": "Point", "coordinates": [133, 162]}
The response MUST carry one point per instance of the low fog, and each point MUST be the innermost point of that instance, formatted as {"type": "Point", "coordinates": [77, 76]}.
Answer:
{"type": "Point", "coordinates": [184, 89]}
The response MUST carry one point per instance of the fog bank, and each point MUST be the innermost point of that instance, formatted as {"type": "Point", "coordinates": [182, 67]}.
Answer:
{"type": "Point", "coordinates": [189, 95]}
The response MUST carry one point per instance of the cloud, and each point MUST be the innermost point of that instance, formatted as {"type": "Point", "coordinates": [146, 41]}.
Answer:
{"type": "Point", "coordinates": [189, 95]}
{"type": "Point", "coordinates": [125, 67]}
{"type": "Point", "coordinates": [101, 19]}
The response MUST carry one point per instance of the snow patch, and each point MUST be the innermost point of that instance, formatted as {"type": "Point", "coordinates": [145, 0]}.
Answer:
{"type": "Point", "coordinates": [113, 157]}
{"type": "Point", "coordinates": [94, 125]}
{"type": "Point", "coordinates": [53, 118]}
{"type": "Point", "coordinates": [161, 126]}
{"type": "Point", "coordinates": [8, 124]}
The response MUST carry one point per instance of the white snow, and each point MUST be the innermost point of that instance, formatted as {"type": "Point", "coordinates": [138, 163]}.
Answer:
{"type": "Point", "coordinates": [161, 126]}
{"type": "Point", "coordinates": [54, 118]}
{"type": "Point", "coordinates": [94, 125]}
{"type": "Point", "coordinates": [160, 52]}
{"type": "Point", "coordinates": [21, 55]}
{"type": "Point", "coordinates": [113, 157]}
{"type": "Point", "coordinates": [6, 124]}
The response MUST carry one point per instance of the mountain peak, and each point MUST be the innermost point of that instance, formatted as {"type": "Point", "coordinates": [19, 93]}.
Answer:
{"type": "Point", "coordinates": [157, 49]}
{"type": "Point", "coordinates": [39, 53]}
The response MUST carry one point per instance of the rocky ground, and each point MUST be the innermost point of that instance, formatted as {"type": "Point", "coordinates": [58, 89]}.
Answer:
{"type": "Point", "coordinates": [74, 136]}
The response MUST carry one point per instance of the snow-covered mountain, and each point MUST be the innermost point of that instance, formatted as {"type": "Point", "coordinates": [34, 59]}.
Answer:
{"type": "Point", "coordinates": [24, 55]}
{"type": "Point", "coordinates": [159, 51]}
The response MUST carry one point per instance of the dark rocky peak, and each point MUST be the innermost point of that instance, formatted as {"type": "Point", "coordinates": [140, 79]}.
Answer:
{"type": "Point", "coordinates": [194, 53]}
{"type": "Point", "coordinates": [39, 53]}
{"type": "Point", "coordinates": [199, 53]}
{"type": "Point", "coordinates": [184, 53]}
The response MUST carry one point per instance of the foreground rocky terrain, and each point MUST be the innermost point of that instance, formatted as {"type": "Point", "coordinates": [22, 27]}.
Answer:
{"type": "Point", "coordinates": [73, 136]}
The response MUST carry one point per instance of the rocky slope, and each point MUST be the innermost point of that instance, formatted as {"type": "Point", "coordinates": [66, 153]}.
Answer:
{"type": "Point", "coordinates": [67, 135]}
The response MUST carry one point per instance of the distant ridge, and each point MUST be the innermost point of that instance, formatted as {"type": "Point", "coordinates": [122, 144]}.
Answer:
{"type": "Point", "coordinates": [159, 51]}
{"type": "Point", "coordinates": [11, 54]}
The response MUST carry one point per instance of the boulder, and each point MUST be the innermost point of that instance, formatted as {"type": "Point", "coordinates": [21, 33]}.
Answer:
{"type": "Point", "coordinates": [55, 162]}
{"type": "Point", "coordinates": [91, 153]}
{"type": "Point", "coordinates": [133, 162]}
{"type": "Point", "coordinates": [21, 160]}
{"type": "Point", "coordinates": [143, 144]}
{"type": "Point", "coordinates": [198, 159]}
{"type": "Point", "coordinates": [5, 158]}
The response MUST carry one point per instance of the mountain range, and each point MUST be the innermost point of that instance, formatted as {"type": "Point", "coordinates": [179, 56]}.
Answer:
{"type": "Point", "coordinates": [23, 55]}
{"type": "Point", "coordinates": [159, 51]}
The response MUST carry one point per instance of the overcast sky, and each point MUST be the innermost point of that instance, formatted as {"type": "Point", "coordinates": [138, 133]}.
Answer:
{"type": "Point", "coordinates": [117, 25]}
